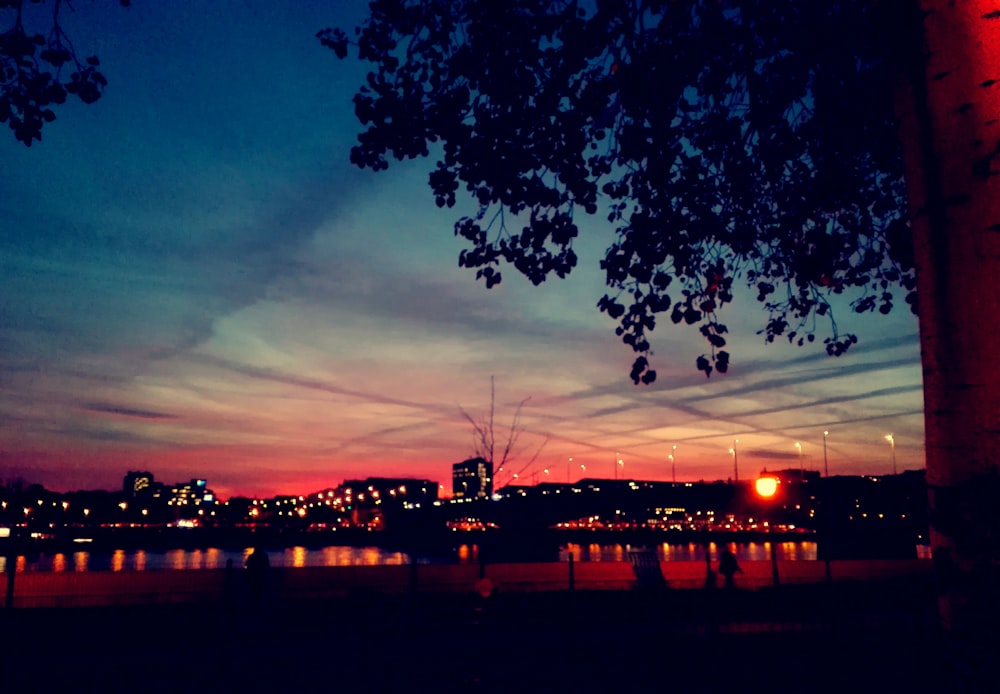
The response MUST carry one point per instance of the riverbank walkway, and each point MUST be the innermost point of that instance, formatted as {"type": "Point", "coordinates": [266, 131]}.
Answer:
{"type": "Point", "coordinates": [860, 636]}
{"type": "Point", "coordinates": [121, 588]}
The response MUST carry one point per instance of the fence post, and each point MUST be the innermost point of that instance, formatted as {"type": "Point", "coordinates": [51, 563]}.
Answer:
{"type": "Point", "coordinates": [228, 589]}
{"type": "Point", "coordinates": [709, 574]}
{"type": "Point", "coordinates": [11, 568]}
{"type": "Point", "coordinates": [413, 574]}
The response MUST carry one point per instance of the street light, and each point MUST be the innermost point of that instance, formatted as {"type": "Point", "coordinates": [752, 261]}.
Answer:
{"type": "Point", "coordinates": [892, 448]}
{"type": "Point", "coordinates": [736, 464]}
{"type": "Point", "coordinates": [767, 488]}
{"type": "Point", "coordinates": [826, 467]}
{"type": "Point", "coordinates": [619, 463]}
{"type": "Point", "coordinates": [673, 468]}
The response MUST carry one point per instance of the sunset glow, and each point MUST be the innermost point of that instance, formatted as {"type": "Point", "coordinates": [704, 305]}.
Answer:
{"type": "Point", "coordinates": [199, 284]}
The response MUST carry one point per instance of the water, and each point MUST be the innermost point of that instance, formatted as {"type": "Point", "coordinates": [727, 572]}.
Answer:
{"type": "Point", "coordinates": [692, 551]}
{"type": "Point", "coordinates": [295, 557]}
{"type": "Point", "coordinates": [195, 559]}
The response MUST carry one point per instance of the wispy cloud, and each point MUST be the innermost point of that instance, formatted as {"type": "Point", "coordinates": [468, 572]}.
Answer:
{"type": "Point", "coordinates": [197, 280]}
{"type": "Point", "coordinates": [127, 411]}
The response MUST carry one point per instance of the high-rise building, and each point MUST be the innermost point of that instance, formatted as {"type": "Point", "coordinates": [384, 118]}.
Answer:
{"type": "Point", "coordinates": [472, 479]}
{"type": "Point", "coordinates": [138, 484]}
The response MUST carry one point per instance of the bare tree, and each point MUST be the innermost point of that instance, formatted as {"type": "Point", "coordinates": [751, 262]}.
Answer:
{"type": "Point", "coordinates": [485, 442]}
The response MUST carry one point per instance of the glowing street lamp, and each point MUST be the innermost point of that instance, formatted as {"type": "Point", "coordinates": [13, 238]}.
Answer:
{"type": "Point", "coordinates": [673, 468]}
{"type": "Point", "coordinates": [736, 464]}
{"type": "Point", "coordinates": [892, 448]}
{"type": "Point", "coordinates": [766, 487]}
{"type": "Point", "coordinates": [826, 467]}
{"type": "Point", "coordinates": [619, 463]}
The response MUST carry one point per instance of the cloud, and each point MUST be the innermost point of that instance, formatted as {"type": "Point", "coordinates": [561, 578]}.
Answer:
{"type": "Point", "coordinates": [195, 277]}
{"type": "Point", "coordinates": [768, 454]}
{"type": "Point", "coordinates": [127, 411]}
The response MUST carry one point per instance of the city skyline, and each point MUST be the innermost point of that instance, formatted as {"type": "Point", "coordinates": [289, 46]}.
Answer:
{"type": "Point", "coordinates": [200, 284]}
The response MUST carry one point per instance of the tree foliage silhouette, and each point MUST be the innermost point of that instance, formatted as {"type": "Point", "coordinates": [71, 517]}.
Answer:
{"type": "Point", "coordinates": [757, 141]}
{"type": "Point", "coordinates": [38, 71]}
{"type": "Point", "coordinates": [725, 142]}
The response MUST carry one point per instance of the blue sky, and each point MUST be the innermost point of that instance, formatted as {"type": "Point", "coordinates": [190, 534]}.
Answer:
{"type": "Point", "coordinates": [197, 283]}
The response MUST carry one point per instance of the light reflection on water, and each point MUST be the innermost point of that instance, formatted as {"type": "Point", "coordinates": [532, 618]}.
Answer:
{"type": "Point", "coordinates": [692, 551]}
{"type": "Point", "coordinates": [467, 553]}
{"type": "Point", "coordinates": [297, 557]}
{"type": "Point", "coordinates": [211, 558]}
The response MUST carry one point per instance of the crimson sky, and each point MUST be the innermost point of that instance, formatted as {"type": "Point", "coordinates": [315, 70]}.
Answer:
{"type": "Point", "coordinates": [197, 283]}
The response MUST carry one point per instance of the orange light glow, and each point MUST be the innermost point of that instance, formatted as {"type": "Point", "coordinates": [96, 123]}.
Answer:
{"type": "Point", "coordinates": [766, 486]}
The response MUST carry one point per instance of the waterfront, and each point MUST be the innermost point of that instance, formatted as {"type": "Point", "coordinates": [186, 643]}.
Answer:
{"type": "Point", "coordinates": [81, 561]}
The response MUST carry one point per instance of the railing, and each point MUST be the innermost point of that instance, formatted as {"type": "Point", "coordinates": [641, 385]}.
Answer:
{"type": "Point", "coordinates": [84, 589]}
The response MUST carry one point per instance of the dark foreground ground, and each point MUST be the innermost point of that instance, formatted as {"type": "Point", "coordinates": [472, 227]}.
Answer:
{"type": "Point", "coordinates": [864, 637]}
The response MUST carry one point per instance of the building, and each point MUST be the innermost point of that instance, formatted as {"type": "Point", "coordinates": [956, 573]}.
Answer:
{"type": "Point", "coordinates": [138, 484]}
{"type": "Point", "coordinates": [367, 501]}
{"type": "Point", "coordinates": [193, 498]}
{"type": "Point", "coordinates": [472, 479]}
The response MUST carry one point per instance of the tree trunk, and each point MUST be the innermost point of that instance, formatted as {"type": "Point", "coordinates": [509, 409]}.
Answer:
{"type": "Point", "coordinates": [950, 129]}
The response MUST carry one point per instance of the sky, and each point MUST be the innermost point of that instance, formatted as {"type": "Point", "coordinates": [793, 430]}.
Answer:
{"type": "Point", "coordinates": [197, 283]}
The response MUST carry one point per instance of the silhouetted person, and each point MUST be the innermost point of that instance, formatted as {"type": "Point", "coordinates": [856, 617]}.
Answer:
{"type": "Point", "coordinates": [728, 566]}
{"type": "Point", "coordinates": [257, 566]}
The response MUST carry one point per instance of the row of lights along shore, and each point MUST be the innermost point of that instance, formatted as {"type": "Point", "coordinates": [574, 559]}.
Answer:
{"type": "Point", "coordinates": [734, 452]}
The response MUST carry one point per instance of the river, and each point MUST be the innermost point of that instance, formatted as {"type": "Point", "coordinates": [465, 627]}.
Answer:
{"type": "Point", "coordinates": [83, 560]}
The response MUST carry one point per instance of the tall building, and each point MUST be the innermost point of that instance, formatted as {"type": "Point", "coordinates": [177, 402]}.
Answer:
{"type": "Point", "coordinates": [472, 479]}
{"type": "Point", "coordinates": [138, 484]}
